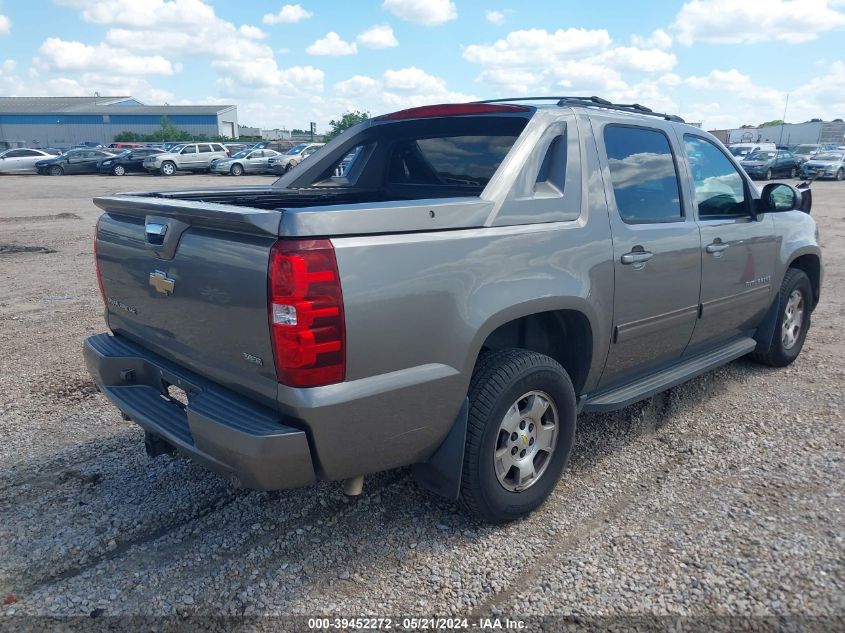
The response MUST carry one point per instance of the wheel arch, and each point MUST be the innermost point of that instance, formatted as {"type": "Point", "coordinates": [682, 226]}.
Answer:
{"type": "Point", "coordinates": [811, 264]}
{"type": "Point", "coordinates": [566, 334]}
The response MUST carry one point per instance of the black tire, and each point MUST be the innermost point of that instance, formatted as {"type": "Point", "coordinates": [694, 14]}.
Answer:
{"type": "Point", "coordinates": [56, 170]}
{"type": "Point", "coordinates": [237, 170]}
{"type": "Point", "coordinates": [777, 355]}
{"type": "Point", "coordinates": [840, 175]}
{"type": "Point", "coordinates": [499, 379]}
{"type": "Point", "coordinates": [769, 174]}
{"type": "Point", "coordinates": [168, 168]}
{"type": "Point", "coordinates": [118, 170]}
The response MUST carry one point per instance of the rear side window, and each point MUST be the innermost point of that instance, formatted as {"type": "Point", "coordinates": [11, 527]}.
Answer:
{"type": "Point", "coordinates": [449, 160]}
{"type": "Point", "coordinates": [643, 175]}
{"type": "Point", "coordinates": [205, 149]}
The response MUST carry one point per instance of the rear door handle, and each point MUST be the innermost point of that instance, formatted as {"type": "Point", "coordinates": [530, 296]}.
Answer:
{"type": "Point", "coordinates": [716, 247]}
{"type": "Point", "coordinates": [636, 257]}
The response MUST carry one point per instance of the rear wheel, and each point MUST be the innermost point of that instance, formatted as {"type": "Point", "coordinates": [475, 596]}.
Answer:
{"type": "Point", "coordinates": [56, 170]}
{"type": "Point", "coordinates": [793, 173]}
{"type": "Point", "coordinates": [519, 436]}
{"type": "Point", "coordinates": [119, 170]}
{"type": "Point", "coordinates": [236, 170]}
{"type": "Point", "coordinates": [793, 322]}
{"type": "Point", "coordinates": [168, 168]}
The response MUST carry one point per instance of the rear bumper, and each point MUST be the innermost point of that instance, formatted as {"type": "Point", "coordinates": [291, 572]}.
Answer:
{"type": "Point", "coordinates": [244, 441]}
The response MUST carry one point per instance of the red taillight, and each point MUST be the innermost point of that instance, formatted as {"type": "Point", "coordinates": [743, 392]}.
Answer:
{"type": "Point", "coordinates": [228, 154]}
{"type": "Point", "coordinates": [452, 109]}
{"type": "Point", "coordinates": [306, 313]}
{"type": "Point", "coordinates": [97, 261]}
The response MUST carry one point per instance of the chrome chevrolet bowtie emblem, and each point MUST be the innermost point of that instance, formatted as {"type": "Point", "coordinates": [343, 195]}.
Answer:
{"type": "Point", "coordinates": [161, 282]}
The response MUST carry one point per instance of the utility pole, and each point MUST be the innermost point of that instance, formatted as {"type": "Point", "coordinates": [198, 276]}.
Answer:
{"type": "Point", "coordinates": [783, 120]}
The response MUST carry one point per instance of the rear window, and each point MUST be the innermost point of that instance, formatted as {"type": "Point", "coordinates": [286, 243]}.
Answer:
{"type": "Point", "coordinates": [450, 160]}
{"type": "Point", "coordinates": [455, 155]}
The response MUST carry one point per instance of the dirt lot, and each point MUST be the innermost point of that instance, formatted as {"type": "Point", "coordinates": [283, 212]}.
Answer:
{"type": "Point", "coordinates": [724, 497]}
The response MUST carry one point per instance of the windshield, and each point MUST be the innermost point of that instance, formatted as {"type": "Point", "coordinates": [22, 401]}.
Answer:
{"type": "Point", "coordinates": [739, 151]}
{"type": "Point", "coordinates": [296, 149]}
{"type": "Point", "coordinates": [760, 156]}
{"type": "Point", "coordinates": [176, 148]}
{"type": "Point", "coordinates": [805, 149]}
{"type": "Point", "coordinates": [242, 154]}
{"type": "Point", "coordinates": [829, 156]}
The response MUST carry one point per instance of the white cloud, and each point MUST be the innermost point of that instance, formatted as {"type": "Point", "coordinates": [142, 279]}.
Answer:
{"type": "Point", "coordinates": [426, 12]}
{"type": "Point", "coordinates": [536, 46]}
{"type": "Point", "coordinates": [8, 66]}
{"type": "Point", "coordinates": [5, 25]}
{"type": "Point", "coordinates": [265, 77]}
{"type": "Point", "coordinates": [518, 81]}
{"type": "Point", "coordinates": [379, 36]}
{"type": "Point", "coordinates": [63, 55]}
{"type": "Point", "coordinates": [750, 21]}
{"type": "Point", "coordinates": [332, 45]}
{"type": "Point", "coordinates": [356, 85]}
{"type": "Point", "coordinates": [495, 17]}
{"type": "Point", "coordinates": [289, 14]}
{"type": "Point", "coordinates": [142, 14]}
{"type": "Point", "coordinates": [636, 59]}
{"type": "Point", "coordinates": [658, 39]}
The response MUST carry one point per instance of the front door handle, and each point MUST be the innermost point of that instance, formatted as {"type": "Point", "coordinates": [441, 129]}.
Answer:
{"type": "Point", "coordinates": [636, 257]}
{"type": "Point", "coordinates": [716, 247]}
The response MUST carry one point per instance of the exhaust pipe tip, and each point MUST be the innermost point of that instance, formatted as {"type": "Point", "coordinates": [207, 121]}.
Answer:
{"type": "Point", "coordinates": [353, 486]}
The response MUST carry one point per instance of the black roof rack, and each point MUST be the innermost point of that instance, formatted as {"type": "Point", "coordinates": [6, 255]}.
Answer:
{"type": "Point", "coordinates": [596, 102]}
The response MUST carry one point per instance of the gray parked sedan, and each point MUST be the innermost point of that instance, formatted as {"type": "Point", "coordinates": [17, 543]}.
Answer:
{"type": "Point", "coordinates": [21, 160]}
{"type": "Point", "coordinates": [825, 165]}
{"type": "Point", "coordinates": [255, 161]}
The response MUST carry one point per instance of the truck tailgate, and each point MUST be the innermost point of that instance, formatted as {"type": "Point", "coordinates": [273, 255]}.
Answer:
{"type": "Point", "coordinates": [189, 281]}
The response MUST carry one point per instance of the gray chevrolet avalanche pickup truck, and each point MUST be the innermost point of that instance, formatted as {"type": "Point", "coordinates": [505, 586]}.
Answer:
{"type": "Point", "coordinates": [446, 287]}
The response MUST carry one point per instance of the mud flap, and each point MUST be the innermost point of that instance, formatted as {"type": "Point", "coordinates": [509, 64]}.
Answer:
{"type": "Point", "coordinates": [441, 474]}
{"type": "Point", "coordinates": [766, 329]}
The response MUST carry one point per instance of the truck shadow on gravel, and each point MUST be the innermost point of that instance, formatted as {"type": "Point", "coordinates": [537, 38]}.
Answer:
{"type": "Point", "coordinates": [104, 503]}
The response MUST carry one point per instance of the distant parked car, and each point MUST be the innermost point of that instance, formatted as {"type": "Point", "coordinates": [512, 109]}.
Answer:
{"type": "Point", "coordinates": [128, 161]}
{"type": "Point", "coordinates": [21, 160]}
{"type": "Point", "coordinates": [123, 145]}
{"type": "Point", "coordinates": [742, 150]}
{"type": "Point", "coordinates": [770, 164]}
{"type": "Point", "coordinates": [187, 157]}
{"type": "Point", "coordinates": [73, 161]}
{"type": "Point", "coordinates": [805, 152]}
{"type": "Point", "coordinates": [248, 161]}
{"type": "Point", "coordinates": [283, 163]}
{"type": "Point", "coordinates": [825, 165]}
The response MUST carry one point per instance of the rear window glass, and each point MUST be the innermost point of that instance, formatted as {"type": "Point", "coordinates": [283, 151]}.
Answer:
{"type": "Point", "coordinates": [451, 160]}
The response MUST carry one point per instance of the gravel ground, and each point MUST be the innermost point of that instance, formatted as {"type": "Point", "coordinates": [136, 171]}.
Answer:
{"type": "Point", "coordinates": [723, 497]}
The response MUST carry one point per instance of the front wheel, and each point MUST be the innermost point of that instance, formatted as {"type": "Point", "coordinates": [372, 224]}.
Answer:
{"type": "Point", "coordinates": [794, 305]}
{"type": "Point", "coordinates": [793, 173]}
{"type": "Point", "coordinates": [519, 435]}
{"type": "Point", "coordinates": [768, 174]}
{"type": "Point", "coordinates": [236, 170]}
{"type": "Point", "coordinates": [55, 170]}
{"type": "Point", "coordinates": [840, 175]}
{"type": "Point", "coordinates": [119, 170]}
{"type": "Point", "coordinates": [167, 168]}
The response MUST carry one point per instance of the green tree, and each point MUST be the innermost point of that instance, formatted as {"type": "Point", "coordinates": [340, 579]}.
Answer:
{"type": "Point", "coordinates": [296, 130]}
{"type": "Point", "coordinates": [345, 122]}
{"type": "Point", "coordinates": [771, 123]}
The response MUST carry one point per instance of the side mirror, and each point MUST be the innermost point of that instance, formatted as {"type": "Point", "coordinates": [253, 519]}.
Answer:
{"type": "Point", "coordinates": [778, 196]}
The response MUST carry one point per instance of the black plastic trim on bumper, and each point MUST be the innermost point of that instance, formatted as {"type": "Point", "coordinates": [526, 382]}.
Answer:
{"type": "Point", "coordinates": [223, 430]}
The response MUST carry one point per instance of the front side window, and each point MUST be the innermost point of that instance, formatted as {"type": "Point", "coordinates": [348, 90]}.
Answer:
{"type": "Point", "coordinates": [719, 188]}
{"type": "Point", "coordinates": [190, 149]}
{"type": "Point", "coordinates": [643, 175]}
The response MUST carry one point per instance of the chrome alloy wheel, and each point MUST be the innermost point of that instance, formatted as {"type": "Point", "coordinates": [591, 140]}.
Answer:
{"type": "Point", "coordinates": [793, 319]}
{"type": "Point", "coordinates": [526, 441]}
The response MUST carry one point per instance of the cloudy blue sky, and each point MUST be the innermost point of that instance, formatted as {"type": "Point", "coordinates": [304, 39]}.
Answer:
{"type": "Point", "coordinates": [722, 62]}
